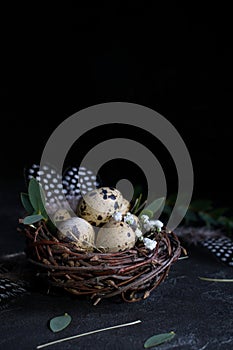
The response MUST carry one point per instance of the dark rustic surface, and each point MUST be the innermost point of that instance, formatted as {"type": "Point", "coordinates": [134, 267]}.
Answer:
{"type": "Point", "coordinates": [199, 312]}
{"type": "Point", "coordinates": [174, 59]}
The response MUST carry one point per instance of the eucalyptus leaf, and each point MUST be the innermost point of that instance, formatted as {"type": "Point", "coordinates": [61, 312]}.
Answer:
{"type": "Point", "coordinates": [207, 218]}
{"type": "Point", "coordinates": [149, 213]}
{"type": "Point", "coordinates": [34, 193]}
{"type": "Point", "coordinates": [153, 207]}
{"type": "Point", "coordinates": [158, 339]}
{"type": "Point", "coordinates": [50, 225]}
{"type": "Point", "coordinates": [225, 221]}
{"type": "Point", "coordinates": [202, 212]}
{"type": "Point", "coordinates": [36, 197]}
{"type": "Point", "coordinates": [216, 213]}
{"type": "Point", "coordinates": [31, 219]}
{"type": "Point", "coordinates": [26, 203]}
{"type": "Point", "coordinates": [59, 323]}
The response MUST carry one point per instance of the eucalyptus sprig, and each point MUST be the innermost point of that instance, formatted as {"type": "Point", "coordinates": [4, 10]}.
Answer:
{"type": "Point", "coordinates": [149, 210]}
{"type": "Point", "coordinates": [33, 202]}
{"type": "Point", "coordinates": [203, 212]}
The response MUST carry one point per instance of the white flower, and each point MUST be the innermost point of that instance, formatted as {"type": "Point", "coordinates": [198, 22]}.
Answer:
{"type": "Point", "coordinates": [149, 243]}
{"type": "Point", "coordinates": [144, 218]}
{"type": "Point", "coordinates": [117, 216]}
{"type": "Point", "coordinates": [157, 224]}
{"type": "Point", "coordinates": [138, 232]}
{"type": "Point", "coordinates": [147, 226]}
{"type": "Point", "coordinates": [129, 218]}
{"type": "Point", "coordinates": [153, 224]}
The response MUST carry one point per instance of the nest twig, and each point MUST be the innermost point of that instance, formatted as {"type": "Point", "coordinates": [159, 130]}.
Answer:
{"type": "Point", "coordinates": [132, 273]}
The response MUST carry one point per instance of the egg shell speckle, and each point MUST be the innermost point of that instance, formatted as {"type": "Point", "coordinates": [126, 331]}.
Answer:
{"type": "Point", "coordinates": [115, 236]}
{"type": "Point", "coordinates": [98, 205]}
{"type": "Point", "coordinates": [61, 215]}
{"type": "Point", "coordinates": [77, 231]}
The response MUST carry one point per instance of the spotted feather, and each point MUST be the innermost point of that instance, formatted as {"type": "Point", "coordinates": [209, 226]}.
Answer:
{"type": "Point", "coordinates": [9, 290]}
{"type": "Point", "coordinates": [72, 184]}
{"type": "Point", "coordinates": [221, 247]}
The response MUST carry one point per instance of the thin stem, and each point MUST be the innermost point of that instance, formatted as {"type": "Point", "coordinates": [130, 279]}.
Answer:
{"type": "Point", "coordinates": [215, 279]}
{"type": "Point", "coordinates": [88, 333]}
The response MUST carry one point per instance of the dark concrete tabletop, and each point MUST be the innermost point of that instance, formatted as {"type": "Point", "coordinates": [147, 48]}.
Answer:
{"type": "Point", "coordinates": [199, 312]}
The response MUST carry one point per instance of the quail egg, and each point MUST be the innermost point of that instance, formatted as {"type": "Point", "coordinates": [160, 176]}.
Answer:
{"type": "Point", "coordinates": [115, 236]}
{"type": "Point", "coordinates": [61, 215]}
{"type": "Point", "coordinates": [125, 206]}
{"type": "Point", "coordinates": [77, 231]}
{"type": "Point", "coordinates": [98, 205]}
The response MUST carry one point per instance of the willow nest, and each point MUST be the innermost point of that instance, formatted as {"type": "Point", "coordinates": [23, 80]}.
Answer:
{"type": "Point", "coordinates": [133, 274]}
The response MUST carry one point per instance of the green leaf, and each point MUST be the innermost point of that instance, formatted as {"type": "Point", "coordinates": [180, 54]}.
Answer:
{"type": "Point", "coordinates": [136, 204]}
{"type": "Point", "coordinates": [209, 221]}
{"type": "Point", "coordinates": [158, 339]}
{"type": "Point", "coordinates": [51, 227]}
{"type": "Point", "coordinates": [26, 203]}
{"type": "Point", "coordinates": [34, 193]}
{"type": "Point", "coordinates": [225, 221]}
{"type": "Point", "coordinates": [216, 213]}
{"type": "Point", "coordinates": [59, 323]}
{"type": "Point", "coordinates": [153, 207]}
{"type": "Point", "coordinates": [31, 219]}
{"type": "Point", "coordinates": [36, 197]}
{"type": "Point", "coordinates": [149, 213]}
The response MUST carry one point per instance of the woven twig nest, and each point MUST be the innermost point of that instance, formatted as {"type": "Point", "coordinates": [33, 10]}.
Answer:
{"type": "Point", "coordinates": [132, 273]}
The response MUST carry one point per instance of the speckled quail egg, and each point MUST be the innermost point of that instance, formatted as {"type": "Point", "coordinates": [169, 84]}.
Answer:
{"type": "Point", "coordinates": [115, 236]}
{"type": "Point", "coordinates": [77, 231]}
{"type": "Point", "coordinates": [61, 215]}
{"type": "Point", "coordinates": [125, 206]}
{"type": "Point", "coordinates": [98, 205]}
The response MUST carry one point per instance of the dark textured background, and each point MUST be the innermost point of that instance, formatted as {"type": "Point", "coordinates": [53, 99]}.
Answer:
{"type": "Point", "coordinates": [174, 59]}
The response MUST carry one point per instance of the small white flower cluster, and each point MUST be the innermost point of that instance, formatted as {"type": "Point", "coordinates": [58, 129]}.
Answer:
{"type": "Point", "coordinates": [138, 233]}
{"type": "Point", "coordinates": [129, 219]}
{"type": "Point", "coordinates": [117, 216]}
{"type": "Point", "coordinates": [149, 225]}
{"type": "Point", "coordinates": [149, 243]}
{"type": "Point", "coordinates": [145, 224]}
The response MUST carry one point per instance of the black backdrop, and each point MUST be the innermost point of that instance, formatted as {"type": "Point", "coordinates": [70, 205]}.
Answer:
{"type": "Point", "coordinates": [176, 60]}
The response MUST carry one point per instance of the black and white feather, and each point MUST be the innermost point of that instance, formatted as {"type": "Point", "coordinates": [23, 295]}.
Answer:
{"type": "Point", "coordinates": [9, 290]}
{"type": "Point", "coordinates": [12, 283]}
{"type": "Point", "coordinates": [221, 247]}
{"type": "Point", "coordinates": [213, 240]}
{"type": "Point", "coordinates": [75, 181]}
